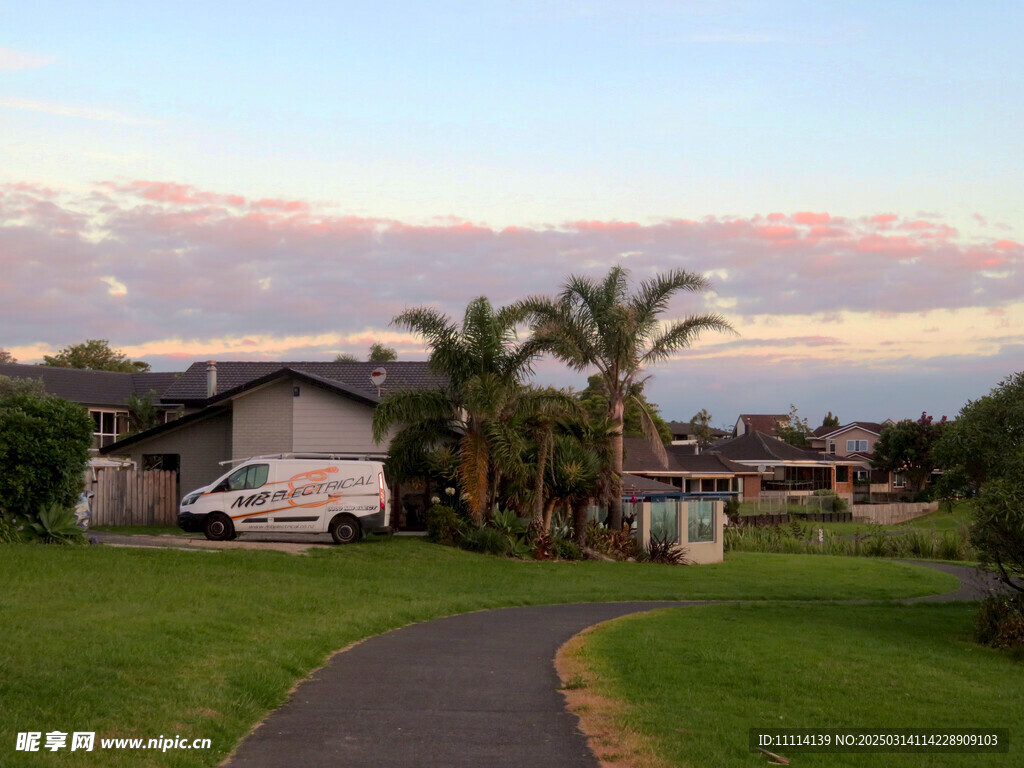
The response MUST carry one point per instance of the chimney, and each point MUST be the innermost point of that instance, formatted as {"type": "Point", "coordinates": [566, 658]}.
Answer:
{"type": "Point", "coordinates": [211, 378]}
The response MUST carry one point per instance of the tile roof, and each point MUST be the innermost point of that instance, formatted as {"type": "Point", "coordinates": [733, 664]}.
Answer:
{"type": "Point", "coordinates": [869, 426]}
{"type": "Point", "coordinates": [190, 387]}
{"type": "Point", "coordinates": [80, 385]}
{"type": "Point", "coordinates": [632, 483]}
{"type": "Point", "coordinates": [638, 457]}
{"type": "Point", "coordinates": [757, 446]}
{"type": "Point", "coordinates": [688, 427]}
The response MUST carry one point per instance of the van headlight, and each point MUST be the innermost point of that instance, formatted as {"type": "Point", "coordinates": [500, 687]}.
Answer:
{"type": "Point", "coordinates": [190, 499]}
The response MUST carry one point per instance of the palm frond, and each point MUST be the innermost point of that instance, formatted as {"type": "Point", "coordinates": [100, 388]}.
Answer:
{"type": "Point", "coordinates": [682, 334]}
{"type": "Point", "coordinates": [411, 406]}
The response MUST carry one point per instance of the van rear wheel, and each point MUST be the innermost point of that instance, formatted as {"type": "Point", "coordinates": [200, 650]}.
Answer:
{"type": "Point", "coordinates": [345, 529]}
{"type": "Point", "coordinates": [218, 527]}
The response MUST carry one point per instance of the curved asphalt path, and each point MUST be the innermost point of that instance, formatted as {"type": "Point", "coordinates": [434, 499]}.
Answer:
{"type": "Point", "coordinates": [477, 690]}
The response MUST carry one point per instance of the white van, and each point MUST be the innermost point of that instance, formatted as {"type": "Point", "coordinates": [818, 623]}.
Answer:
{"type": "Point", "coordinates": [292, 495]}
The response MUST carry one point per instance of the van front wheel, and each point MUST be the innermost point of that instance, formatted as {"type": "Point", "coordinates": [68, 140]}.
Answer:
{"type": "Point", "coordinates": [218, 527]}
{"type": "Point", "coordinates": [345, 529]}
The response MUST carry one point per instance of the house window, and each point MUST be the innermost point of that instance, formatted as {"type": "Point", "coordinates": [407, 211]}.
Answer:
{"type": "Point", "coordinates": [842, 474]}
{"type": "Point", "coordinates": [707, 485]}
{"type": "Point", "coordinates": [701, 521]}
{"type": "Point", "coordinates": [899, 480]}
{"type": "Point", "coordinates": [860, 476]}
{"type": "Point", "coordinates": [722, 484]}
{"type": "Point", "coordinates": [831, 446]}
{"type": "Point", "coordinates": [856, 445]}
{"type": "Point", "coordinates": [107, 425]}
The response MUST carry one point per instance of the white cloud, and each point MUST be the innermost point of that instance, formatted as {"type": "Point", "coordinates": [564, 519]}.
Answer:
{"type": "Point", "coordinates": [11, 60]}
{"type": "Point", "coordinates": [86, 113]}
{"type": "Point", "coordinates": [116, 287]}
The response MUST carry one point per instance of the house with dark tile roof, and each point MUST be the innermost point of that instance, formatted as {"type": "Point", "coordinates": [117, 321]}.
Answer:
{"type": "Point", "coordinates": [786, 469]}
{"type": "Point", "coordinates": [237, 410]}
{"type": "Point", "coordinates": [104, 394]}
{"type": "Point", "coordinates": [697, 475]}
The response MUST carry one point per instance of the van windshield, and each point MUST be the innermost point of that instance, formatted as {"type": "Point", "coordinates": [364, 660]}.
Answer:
{"type": "Point", "coordinates": [252, 476]}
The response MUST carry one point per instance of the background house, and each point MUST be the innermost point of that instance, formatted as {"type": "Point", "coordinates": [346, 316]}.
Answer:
{"type": "Point", "coordinates": [685, 432]}
{"type": "Point", "coordinates": [766, 423]}
{"type": "Point", "coordinates": [856, 442]}
{"type": "Point", "coordinates": [104, 394]}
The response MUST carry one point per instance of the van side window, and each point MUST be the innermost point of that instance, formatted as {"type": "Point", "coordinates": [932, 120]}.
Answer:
{"type": "Point", "coordinates": [245, 478]}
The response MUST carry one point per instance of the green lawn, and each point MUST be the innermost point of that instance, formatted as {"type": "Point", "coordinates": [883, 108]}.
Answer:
{"type": "Point", "coordinates": [940, 521]}
{"type": "Point", "coordinates": [150, 642]}
{"type": "Point", "coordinates": [692, 681]}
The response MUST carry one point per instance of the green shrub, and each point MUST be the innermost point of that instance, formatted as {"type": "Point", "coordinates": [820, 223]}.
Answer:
{"type": "Point", "coordinates": [44, 450]}
{"type": "Point", "coordinates": [565, 549]}
{"type": "Point", "coordinates": [732, 507]}
{"type": "Point", "coordinates": [665, 552]}
{"type": "Point", "coordinates": [9, 529]}
{"type": "Point", "coordinates": [838, 503]}
{"type": "Point", "coordinates": [443, 525]}
{"type": "Point", "coordinates": [1000, 622]}
{"type": "Point", "coordinates": [57, 525]}
{"type": "Point", "coordinates": [618, 544]}
{"type": "Point", "coordinates": [485, 539]}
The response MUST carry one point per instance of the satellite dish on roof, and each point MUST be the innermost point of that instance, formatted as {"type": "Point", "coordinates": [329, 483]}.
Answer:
{"type": "Point", "coordinates": [761, 468]}
{"type": "Point", "coordinates": [377, 378]}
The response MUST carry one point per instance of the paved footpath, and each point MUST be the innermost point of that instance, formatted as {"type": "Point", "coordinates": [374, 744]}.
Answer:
{"type": "Point", "coordinates": [476, 690]}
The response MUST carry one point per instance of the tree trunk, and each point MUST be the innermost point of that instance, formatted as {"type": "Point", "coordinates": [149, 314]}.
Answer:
{"type": "Point", "coordinates": [579, 521]}
{"type": "Point", "coordinates": [538, 522]}
{"type": "Point", "coordinates": [549, 508]}
{"type": "Point", "coordinates": [616, 412]}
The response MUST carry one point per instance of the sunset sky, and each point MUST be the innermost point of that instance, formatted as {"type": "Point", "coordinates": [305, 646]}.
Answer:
{"type": "Point", "coordinates": [239, 181]}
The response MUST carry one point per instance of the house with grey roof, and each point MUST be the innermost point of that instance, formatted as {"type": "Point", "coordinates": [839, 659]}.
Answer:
{"type": "Point", "coordinates": [785, 469]}
{"type": "Point", "coordinates": [104, 394]}
{"type": "Point", "coordinates": [236, 410]}
{"type": "Point", "coordinates": [696, 475]}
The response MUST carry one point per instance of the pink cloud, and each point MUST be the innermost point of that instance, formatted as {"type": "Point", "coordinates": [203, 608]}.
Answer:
{"type": "Point", "coordinates": [198, 264]}
{"type": "Point", "coordinates": [805, 217]}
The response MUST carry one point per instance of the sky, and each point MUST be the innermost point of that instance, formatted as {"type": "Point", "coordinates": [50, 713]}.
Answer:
{"type": "Point", "coordinates": [239, 181]}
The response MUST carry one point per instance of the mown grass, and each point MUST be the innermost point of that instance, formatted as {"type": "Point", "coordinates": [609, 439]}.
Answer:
{"type": "Point", "coordinates": [692, 681]}
{"type": "Point", "coordinates": [201, 644]}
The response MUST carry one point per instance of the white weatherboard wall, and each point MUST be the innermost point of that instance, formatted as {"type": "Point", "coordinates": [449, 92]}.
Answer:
{"type": "Point", "coordinates": [262, 421]}
{"type": "Point", "coordinates": [325, 422]}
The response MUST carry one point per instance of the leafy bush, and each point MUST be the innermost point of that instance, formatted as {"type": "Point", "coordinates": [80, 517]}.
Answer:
{"type": "Point", "coordinates": [443, 525]}
{"type": "Point", "coordinates": [44, 449]}
{"type": "Point", "coordinates": [57, 525]}
{"type": "Point", "coordinates": [1000, 622]}
{"type": "Point", "coordinates": [838, 503]}
{"type": "Point", "coordinates": [619, 544]}
{"type": "Point", "coordinates": [663, 551]}
{"type": "Point", "coordinates": [10, 529]}
{"type": "Point", "coordinates": [566, 549]}
{"type": "Point", "coordinates": [797, 539]}
{"type": "Point", "coordinates": [732, 508]}
{"type": "Point", "coordinates": [505, 534]}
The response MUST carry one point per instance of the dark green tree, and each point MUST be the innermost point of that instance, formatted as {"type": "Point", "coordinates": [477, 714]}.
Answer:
{"type": "Point", "coordinates": [96, 355]}
{"type": "Point", "coordinates": [381, 354]}
{"type": "Point", "coordinates": [594, 400]}
{"type": "Point", "coordinates": [701, 422]}
{"type": "Point", "coordinates": [600, 324]}
{"type": "Point", "coordinates": [830, 420]}
{"type": "Point", "coordinates": [6, 357]}
{"type": "Point", "coordinates": [346, 357]}
{"type": "Point", "coordinates": [907, 447]}
{"type": "Point", "coordinates": [44, 449]}
{"type": "Point", "coordinates": [793, 429]}
{"type": "Point", "coordinates": [982, 452]}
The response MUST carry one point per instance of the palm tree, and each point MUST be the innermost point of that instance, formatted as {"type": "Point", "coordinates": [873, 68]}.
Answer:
{"type": "Point", "coordinates": [484, 367]}
{"type": "Point", "coordinates": [600, 324]}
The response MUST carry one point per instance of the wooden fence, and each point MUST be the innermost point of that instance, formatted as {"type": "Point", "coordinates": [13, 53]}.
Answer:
{"type": "Point", "coordinates": [892, 514]}
{"type": "Point", "coordinates": [134, 497]}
